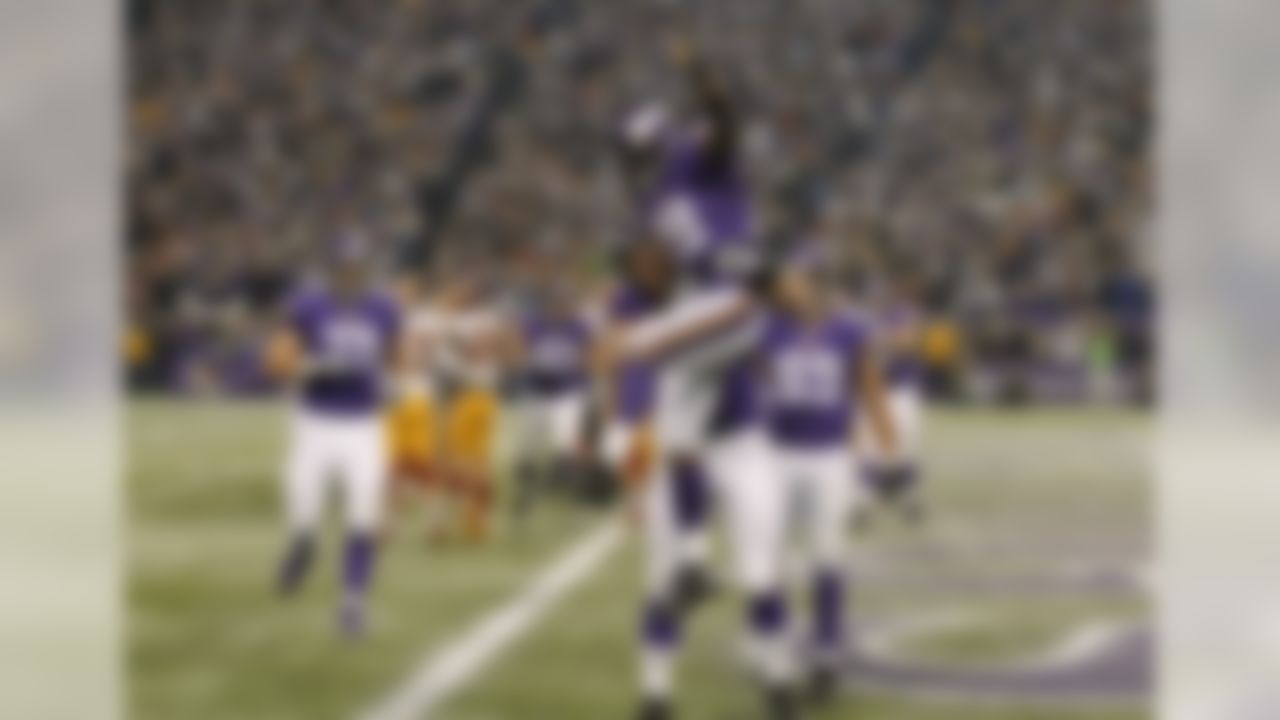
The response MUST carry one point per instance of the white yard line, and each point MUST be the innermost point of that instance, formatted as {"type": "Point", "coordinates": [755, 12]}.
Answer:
{"type": "Point", "coordinates": [449, 669]}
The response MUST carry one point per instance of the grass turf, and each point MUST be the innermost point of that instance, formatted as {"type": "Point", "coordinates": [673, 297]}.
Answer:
{"type": "Point", "coordinates": [1013, 494]}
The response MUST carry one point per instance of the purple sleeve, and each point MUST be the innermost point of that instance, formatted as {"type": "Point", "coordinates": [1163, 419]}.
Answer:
{"type": "Point", "coordinates": [770, 336]}
{"type": "Point", "coordinates": [625, 307]}
{"type": "Point", "coordinates": [391, 319]}
{"type": "Point", "coordinates": [302, 309]}
{"type": "Point", "coordinates": [681, 161]}
{"type": "Point", "coordinates": [857, 334]}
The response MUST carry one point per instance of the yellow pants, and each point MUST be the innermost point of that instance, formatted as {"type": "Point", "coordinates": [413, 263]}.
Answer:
{"type": "Point", "coordinates": [471, 427]}
{"type": "Point", "coordinates": [413, 435]}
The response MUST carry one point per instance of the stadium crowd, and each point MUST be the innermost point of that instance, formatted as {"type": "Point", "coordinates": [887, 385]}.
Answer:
{"type": "Point", "coordinates": [999, 150]}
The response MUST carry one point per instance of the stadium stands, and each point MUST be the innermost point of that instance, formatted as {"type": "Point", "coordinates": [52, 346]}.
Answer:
{"type": "Point", "coordinates": [999, 149]}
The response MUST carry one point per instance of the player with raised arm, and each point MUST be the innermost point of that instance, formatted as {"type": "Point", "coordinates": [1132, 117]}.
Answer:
{"type": "Point", "coordinates": [338, 343]}
{"type": "Point", "coordinates": [717, 339]}
{"type": "Point", "coordinates": [695, 203]}
{"type": "Point", "coordinates": [699, 345]}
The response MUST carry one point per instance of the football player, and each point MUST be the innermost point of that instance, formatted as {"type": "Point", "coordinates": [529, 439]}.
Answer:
{"type": "Point", "coordinates": [697, 209]}
{"type": "Point", "coordinates": [414, 422]}
{"type": "Point", "coordinates": [471, 360]}
{"type": "Point", "coordinates": [338, 343]}
{"type": "Point", "coordinates": [702, 353]}
{"type": "Point", "coordinates": [818, 373]}
{"type": "Point", "coordinates": [553, 343]}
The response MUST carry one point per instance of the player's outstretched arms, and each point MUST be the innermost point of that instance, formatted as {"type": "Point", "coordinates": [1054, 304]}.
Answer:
{"type": "Point", "coordinates": [671, 333]}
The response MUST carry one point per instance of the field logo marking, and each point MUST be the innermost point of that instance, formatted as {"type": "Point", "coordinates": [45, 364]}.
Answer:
{"type": "Point", "coordinates": [1073, 647]}
{"type": "Point", "coordinates": [444, 672]}
{"type": "Point", "coordinates": [1085, 642]}
{"type": "Point", "coordinates": [886, 641]}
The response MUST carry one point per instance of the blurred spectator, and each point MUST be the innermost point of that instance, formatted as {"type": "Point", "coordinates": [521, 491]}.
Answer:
{"type": "Point", "coordinates": [1001, 146]}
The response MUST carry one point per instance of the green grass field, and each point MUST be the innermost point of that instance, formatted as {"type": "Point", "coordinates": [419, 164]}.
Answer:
{"type": "Point", "coordinates": [1014, 496]}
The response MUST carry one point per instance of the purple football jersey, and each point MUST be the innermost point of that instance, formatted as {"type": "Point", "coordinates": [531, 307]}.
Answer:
{"type": "Point", "coordinates": [701, 209]}
{"type": "Point", "coordinates": [635, 382]}
{"type": "Point", "coordinates": [556, 353]}
{"type": "Point", "coordinates": [808, 374]}
{"type": "Point", "coordinates": [348, 343]}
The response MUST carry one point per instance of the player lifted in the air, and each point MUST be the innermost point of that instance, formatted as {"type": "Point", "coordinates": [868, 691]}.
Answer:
{"type": "Point", "coordinates": [697, 213]}
{"type": "Point", "coordinates": [816, 367]}
{"type": "Point", "coordinates": [338, 343]}
{"type": "Point", "coordinates": [694, 200]}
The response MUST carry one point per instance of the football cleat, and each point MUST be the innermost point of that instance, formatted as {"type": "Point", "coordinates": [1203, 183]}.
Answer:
{"type": "Point", "coordinates": [295, 566]}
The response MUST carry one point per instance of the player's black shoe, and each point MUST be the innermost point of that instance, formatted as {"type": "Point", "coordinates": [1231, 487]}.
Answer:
{"type": "Point", "coordinates": [781, 703]}
{"type": "Point", "coordinates": [694, 586]}
{"type": "Point", "coordinates": [295, 566]}
{"type": "Point", "coordinates": [655, 709]}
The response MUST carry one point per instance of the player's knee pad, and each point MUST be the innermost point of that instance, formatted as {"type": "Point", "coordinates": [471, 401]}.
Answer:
{"type": "Point", "coordinates": [767, 611]}
{"type": "Point", "coordinates": [660, 623]}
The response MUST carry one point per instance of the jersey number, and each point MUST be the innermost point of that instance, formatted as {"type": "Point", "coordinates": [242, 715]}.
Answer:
{"type": "Point", "coordinates": [555, 354]}
{"type": "Point", "coordinates": [809, 378]}
{"type": "Point", "coordinates": [352, 342]}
